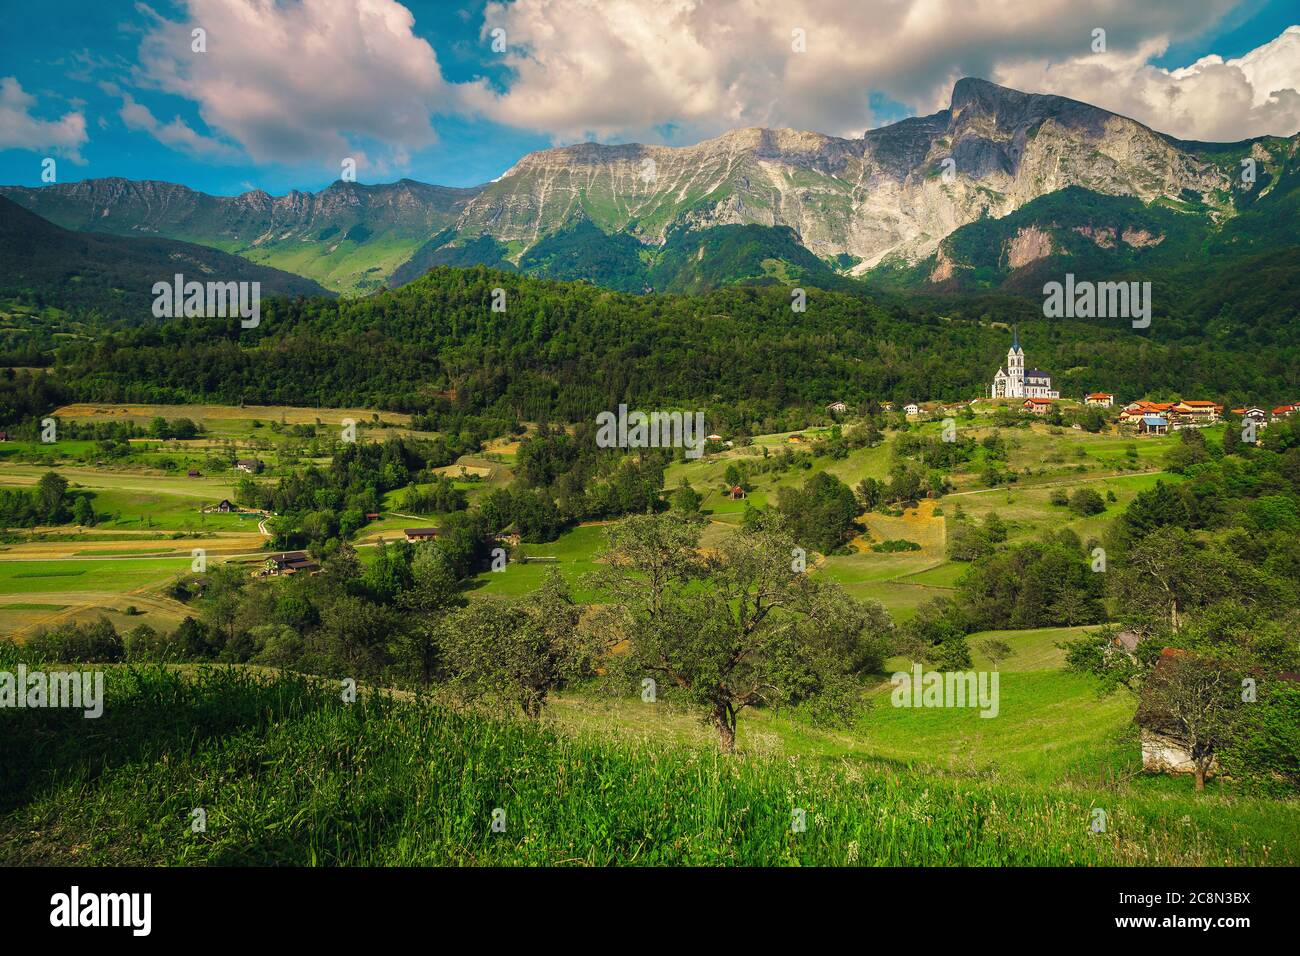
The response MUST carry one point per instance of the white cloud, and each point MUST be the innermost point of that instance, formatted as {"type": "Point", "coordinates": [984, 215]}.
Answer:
{"type": "Point", "coordinates": [626, 68]}
{"type": "Point", "coordinates": [315, 81]}
{"type": "Point", "coordinates": [177, 134]}
{"type": "Point", "coordinates": [1212, 99]}
{"type": "Point", "coordinates": [305, 82]}
{"type": "Point", "coordinates": [19, 129]}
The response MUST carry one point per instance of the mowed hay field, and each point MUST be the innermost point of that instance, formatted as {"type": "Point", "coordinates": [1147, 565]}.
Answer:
{"type": "Point", "coordinates": [203, 414]}
{"type": "Point", "coordinates": [243, 423]}
{"type": "Point", "coordinates": [37, 593]}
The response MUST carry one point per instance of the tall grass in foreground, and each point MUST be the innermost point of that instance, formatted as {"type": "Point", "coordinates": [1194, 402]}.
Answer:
{"type": "Point", "coordinates": [288, 774]}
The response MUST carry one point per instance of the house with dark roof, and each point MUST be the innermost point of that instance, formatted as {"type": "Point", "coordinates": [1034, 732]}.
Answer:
{"type": "Point", "coordinates": [414, 535]}
{"type": "Point", "coordinates": [252, 466]}
{"type": "Point", "coordinates": [289, 562]}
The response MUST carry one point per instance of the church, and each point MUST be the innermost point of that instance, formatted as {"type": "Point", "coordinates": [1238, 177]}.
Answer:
{"type": "Point", "coordinates": [1014, 382]}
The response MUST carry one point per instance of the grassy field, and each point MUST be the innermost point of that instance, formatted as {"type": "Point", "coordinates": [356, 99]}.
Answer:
{"type": "Point", "coordinates": [35, 593]}
{"type": "Point", "coordinates": [148, 514]}
{"type": "Point", "coordinates": [90, 574]}
{"type": "Point", "coordinates": [287, 774]}
{"type": "Point", "coordinates": [226, 419]}
{"type": "Point", "coordinates": [574, 550]}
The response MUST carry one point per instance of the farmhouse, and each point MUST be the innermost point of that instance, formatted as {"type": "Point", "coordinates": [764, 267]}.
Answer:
{"type": "Point", "coordinates": [414, 535]}
{"type": "Point", "coordinates": [911, 408]}
{"type": "Point", "coordinates": [1164, 747]}
{"type": "Point", "coordinates": [289, 562]}
{"type": "Point", "coordinates": [1128, 640]}
{"type": "Point", "coordinates": [1014, 381]}
{"type": "Point", "coordinates": [837, 408]}
{"type": "Point", "coordinates": [736, 493]}
{"type": "Point", "coordinates": [225, 507]}
{"type": "Point", "coordinates": [1037, 406]}
{"type": "Point", "coordinates": [252, 466]}
{"type": "Point", "coordinates": [1284, 411]}
{"type": "Point", "coordinates": [1099, 399]}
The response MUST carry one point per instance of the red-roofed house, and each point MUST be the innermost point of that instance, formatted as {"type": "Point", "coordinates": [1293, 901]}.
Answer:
{"type": "Point", "coordinates": [1038, 406]}
{"type": "Point", "coordinates": [1134, 411]}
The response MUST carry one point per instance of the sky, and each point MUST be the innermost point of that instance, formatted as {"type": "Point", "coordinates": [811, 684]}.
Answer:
{"type": "Point", "coordinates": [227, 96]}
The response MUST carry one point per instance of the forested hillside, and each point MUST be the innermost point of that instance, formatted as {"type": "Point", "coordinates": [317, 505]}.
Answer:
{"type": "Point", "coordinates": [111, 277]}
{"type": "Point", "coordinates": [567, 350]}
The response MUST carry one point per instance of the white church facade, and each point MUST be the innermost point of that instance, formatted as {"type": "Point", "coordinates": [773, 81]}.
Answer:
{"type": "Point", "coordinates": [1014, 381]}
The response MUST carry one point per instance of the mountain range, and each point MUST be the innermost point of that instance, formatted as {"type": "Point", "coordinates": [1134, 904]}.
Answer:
{"type": "Point", "coordinates": [114, 275]}
{"type": "Point", "coordinates": [987, 193]}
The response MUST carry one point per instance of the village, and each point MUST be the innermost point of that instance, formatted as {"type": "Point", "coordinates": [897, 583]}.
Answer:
{"type": "Point", "coordinates": [1140, 417]}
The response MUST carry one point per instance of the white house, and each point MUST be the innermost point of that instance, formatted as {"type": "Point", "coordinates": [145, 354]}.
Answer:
{"type": "Point", "coordinates": [911, 408]}
{"type": "Point", "coordinates": [1257, 415]}
{"type": "Point", "coordinates": [837, 408]}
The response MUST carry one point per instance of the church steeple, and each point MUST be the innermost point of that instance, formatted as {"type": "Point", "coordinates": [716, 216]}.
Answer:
{"type": "Point", "coordinates": [1015, 338]}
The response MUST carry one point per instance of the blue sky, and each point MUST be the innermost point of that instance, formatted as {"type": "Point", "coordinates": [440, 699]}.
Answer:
{"type": "Point", "coordinates": [105, 90]}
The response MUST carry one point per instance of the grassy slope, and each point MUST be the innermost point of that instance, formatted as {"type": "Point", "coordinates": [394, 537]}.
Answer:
{"type": "Point", "coordinates": [287, 774]}
{"type": "Point", "coordinates": [908, 786]}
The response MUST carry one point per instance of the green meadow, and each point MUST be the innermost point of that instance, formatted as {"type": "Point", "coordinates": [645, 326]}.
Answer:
{"type": "Point", "coordinates": [87, 574]}
{"type": "Point", "coordinates": [289, 775]}
{"type": "Point", "coordinates": [574, 552]}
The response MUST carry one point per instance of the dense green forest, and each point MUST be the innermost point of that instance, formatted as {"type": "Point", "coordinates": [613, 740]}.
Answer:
{"type": "Point", "coordinates": [564, 351]}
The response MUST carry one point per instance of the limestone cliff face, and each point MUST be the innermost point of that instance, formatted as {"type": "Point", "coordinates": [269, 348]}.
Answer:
{"type": "Point", "coordinates": [1028, 245]}
{"type": "Point", "coordinates": [888, 194]}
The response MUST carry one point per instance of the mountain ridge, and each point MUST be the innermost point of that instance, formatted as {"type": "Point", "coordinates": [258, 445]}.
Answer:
{"type": "Point", "coordinates": [114, 275]}
{"type": "Point", "coordinates": [886, 199]}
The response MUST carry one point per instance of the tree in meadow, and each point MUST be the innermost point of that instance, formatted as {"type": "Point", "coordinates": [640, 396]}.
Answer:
{"type": "Point", "coordinates": [742, 626]}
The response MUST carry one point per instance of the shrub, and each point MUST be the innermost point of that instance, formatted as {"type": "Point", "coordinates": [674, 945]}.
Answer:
{"type": "Point", "coordinates": [896, 544]}
{"type": "Point", "coordinates": [1085, 501]}
{"type": "Point", "coordinates": [96, 643]}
